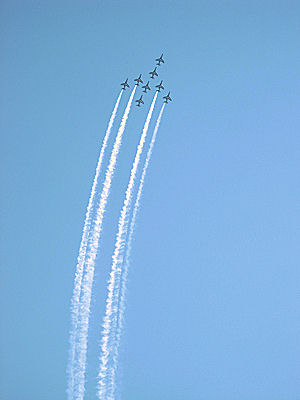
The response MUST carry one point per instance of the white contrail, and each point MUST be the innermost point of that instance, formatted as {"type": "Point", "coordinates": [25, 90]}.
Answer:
{"type": "Point", "coordinates": [81, 256]}
{"type": "Point", "coordinates": [106, 374]}
{"type": "Point", "coordinates": [87, 282]}
{"type": "Point", "coordinates": [122, 297]}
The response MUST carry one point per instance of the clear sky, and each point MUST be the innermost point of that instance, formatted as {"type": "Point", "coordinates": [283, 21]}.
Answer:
{"type": "Point", "coordinates": [213, 306]}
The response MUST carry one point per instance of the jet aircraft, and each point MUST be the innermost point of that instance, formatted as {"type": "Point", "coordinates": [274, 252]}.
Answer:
{"type": "Point", "coordinates": [153, 73]}
{"type": "Point", "coordinates": [139, 101]}
{"type": "Point", "coordinates": [138, 80]}
{"type": "Point", "coordinates": [125, 84]}
{"type": "Point", "coordinates": [167, 98]}
{"type": "Point", "coordinates": [160, 60]}
{"type": "Point", "coordinates": [160, 86]}
{"type": "Point", "coordinates": [146, 87]}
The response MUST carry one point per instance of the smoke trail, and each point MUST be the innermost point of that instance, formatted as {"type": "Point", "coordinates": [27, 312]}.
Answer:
{"type": "Point", "coordinates": [132, 226]}
{"type": "Point", "coordinates": [81, 256]}
{"type": "Point", "coordinates": [122, 300]}
{"type": "Point", "coordinates": [90, 259]}
{"type": "Point", "coordinates": [106, 374]}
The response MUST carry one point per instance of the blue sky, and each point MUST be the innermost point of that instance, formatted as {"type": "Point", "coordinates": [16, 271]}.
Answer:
{"type": "Point", "coordinates": [213, 298]}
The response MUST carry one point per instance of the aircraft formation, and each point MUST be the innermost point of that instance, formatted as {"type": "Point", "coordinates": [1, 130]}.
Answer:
{"type": "Point", "coordinates": [146, 87]}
